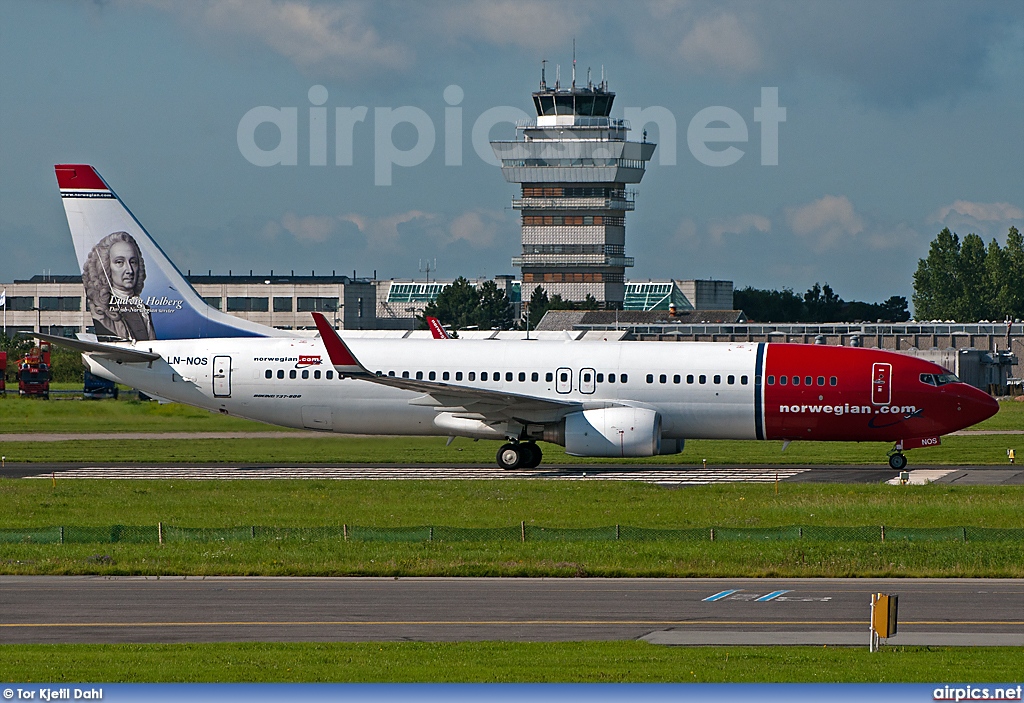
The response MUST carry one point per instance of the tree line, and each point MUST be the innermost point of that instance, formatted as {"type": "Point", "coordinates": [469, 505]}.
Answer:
{"type": "Point", "coordinates": [966, 281]}
{"type": "Point", "coordinates": [819, 304]}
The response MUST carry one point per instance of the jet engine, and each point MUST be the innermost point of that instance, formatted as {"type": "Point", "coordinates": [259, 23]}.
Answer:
{"type": "Point", "coordinates": [619, 432]}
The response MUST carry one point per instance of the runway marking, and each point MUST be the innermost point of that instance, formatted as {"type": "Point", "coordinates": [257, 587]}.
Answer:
{"type": "Point", "coordinates": [667, 477]}
{"type": "Point", "coordinates": [769, 596]}
{"type": "Point", "coordinates": [720, 595]}
{"type": "Point", "coordinates": [922, 477]}
{"type": "Point", "coordinates": [558, 623]}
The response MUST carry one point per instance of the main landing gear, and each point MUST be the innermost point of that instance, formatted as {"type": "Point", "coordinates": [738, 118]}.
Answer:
{"type": "Point", "coordinates": [519, 455]}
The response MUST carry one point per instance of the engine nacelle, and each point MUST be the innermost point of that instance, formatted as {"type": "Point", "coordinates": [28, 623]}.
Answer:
{"type": "Point", "coordinates": [618, 432]}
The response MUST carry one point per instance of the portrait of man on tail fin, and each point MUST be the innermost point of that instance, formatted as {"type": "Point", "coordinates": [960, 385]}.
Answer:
{"type": "Point", "coordinates": [114, 275]}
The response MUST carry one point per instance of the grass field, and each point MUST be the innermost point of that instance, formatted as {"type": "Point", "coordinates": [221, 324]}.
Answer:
{"type": "Point", "coordinates": [502, 662]}
{"type": "Point", "coordinates": [502, 503]}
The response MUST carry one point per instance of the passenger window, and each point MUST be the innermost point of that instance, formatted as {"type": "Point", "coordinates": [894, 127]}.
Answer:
{"type": "Point", "coordinates": [292, 374]}
{"type": "Point", "coordinates": [623, 378]}
{"type": "Point", "coordinates": [611, 378]}
{"type": "Point", "coordinates": [405, 374]}
{"type": "Point", "coordinates": [391, 373]}
{"type": "Point", "coordinates": [496, 375]}
{"type": "Point", "coordinates": [586, 378]}
{"type": "Point", "coordinates": [472, 376]}
{"type": "Point", "coordinates": [458, 375]}
{"type": "Point", "coordinates": [650, 378]}
{"type": "Point", "coordinates": [445, 376]}
{"type": "Point", "coordinates": [563, 377]}
{"type": "Point", "coordinates": [432, 376]}
{"type": "Point", "coordinates": [534, 376]}
{"type": "Point", "coordinates": [731, 380]}
{"type": "Point", "coordinates": [330, 375]}
{"type": "Point", "coordinates": [280, 373]}
{"type": "Point", "coordinates": [305, 374]}
{"type": "Point", "coordinates": [549, 377]}
{"type": "Point", "coordinates": [808, 381]}
{"type": "Point", "coordinates": [821, 380]}
{"type": "Point", "coordinates": [677, 378]}
{"type": "Point", "coordinates": [771, 380]}
{"type": "Point", "coordinates": [600, 378]}
{"type": "Point", "coordinates": [316, 374]}
{"type": "Point", "coordinates": [419, 375]}
{"type": "Point", "coordinates": [743, 380]}
{"type": "Point", "coordinates": [689, 378]}
{"type": "Point", "coordinates": [663, 378]}
{"type": "Point", "coordinates": [702, 379]}
{"type": "Point", "coordinates": [268, 374]}
{"type": "Point", "coordinates": [508, 375]}
{"type": "Point", "coordinates": [522, 376]}
{"type": "Point", "coordinates": [832, 381]}
{"type": "Point", "coordinates": [483, 375]}
{"type": "Point", "coordinates": [796, 380]}
{"type": "Point", "coordinates": [718, 379]}
{"type": "Point", "coordinates": [783, 380]}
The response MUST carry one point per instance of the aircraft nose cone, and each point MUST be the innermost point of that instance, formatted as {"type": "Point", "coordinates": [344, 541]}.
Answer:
{"type": "Point", "coordinates": [975, 406]}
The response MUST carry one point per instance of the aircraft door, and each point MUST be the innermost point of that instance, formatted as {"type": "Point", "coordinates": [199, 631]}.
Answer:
{"type": "Point", "coordinates": [222, 376]}
{"type": "Point", "coordinates": [587, 381]}
{"type": "Point", "coordinates": [563, 380]}
{"type": "Point", "coordinates": [881, 383]}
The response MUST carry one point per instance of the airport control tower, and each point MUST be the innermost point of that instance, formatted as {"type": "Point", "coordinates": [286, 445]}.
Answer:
{"type": "Point", "coordinates": [574, 164]}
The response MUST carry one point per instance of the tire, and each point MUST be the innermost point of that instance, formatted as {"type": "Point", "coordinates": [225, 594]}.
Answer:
{"type": "Point", "coordinates": [533, 455]}
{"type": "Point", "coordinates": [510, 457]}
{"type": "Point", "coordinates": [897, 462]}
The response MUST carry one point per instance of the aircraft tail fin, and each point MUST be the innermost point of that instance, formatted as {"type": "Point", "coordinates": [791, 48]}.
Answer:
{"type": "Point", "coordinates": [437, 330]}
{"type": "Point", "coordinates": [133, 289]}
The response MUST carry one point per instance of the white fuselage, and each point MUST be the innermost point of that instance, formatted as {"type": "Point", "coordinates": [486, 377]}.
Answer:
{"type": "Point", "coordinates": [230, 375]}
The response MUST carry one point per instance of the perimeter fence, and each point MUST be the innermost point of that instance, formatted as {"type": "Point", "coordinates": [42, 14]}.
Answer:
{"type": "Point", "coordinates": [170, 534]}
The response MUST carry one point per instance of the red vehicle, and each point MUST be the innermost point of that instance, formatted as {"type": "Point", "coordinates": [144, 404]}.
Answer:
{"type": "Point", "coordinates": [34, 372]}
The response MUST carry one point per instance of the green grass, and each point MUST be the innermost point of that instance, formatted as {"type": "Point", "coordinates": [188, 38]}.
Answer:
{"type": "Point", "coordinates": [37, 503]}
{"type": "Point", "coordinates": [19, 415]}
{"type": "Point", "coordinates": [502, 662]}
{"type": "Point", "coordinates": [963, 450]}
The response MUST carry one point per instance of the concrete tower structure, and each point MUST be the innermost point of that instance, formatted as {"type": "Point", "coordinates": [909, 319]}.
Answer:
{"type": "Point", "coordinates": [574, 164]}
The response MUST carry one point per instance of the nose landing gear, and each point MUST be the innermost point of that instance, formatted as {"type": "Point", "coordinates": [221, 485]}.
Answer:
{"type": "Point", "coordinates": [519, 455]}
{"type": "Point", "coordinates": [897, 461]}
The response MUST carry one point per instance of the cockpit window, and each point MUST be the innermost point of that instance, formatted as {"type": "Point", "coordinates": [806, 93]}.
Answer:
{"type": "Point", "coordinates": [939, 379]}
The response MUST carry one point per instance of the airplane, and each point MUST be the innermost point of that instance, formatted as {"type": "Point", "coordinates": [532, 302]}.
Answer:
{"type": "Point", "coordinates": [595, 399]}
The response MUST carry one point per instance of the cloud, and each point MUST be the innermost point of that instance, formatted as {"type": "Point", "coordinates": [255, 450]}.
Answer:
{"type": "Point", "coordinates": [739, 224]}
{"type": "Point", "coordinates": [721, 43]}
{"type": "Point", "coordinates": [311, 228]}
{"type": "Point", "coordinates": [336, 38]}
{"type": "Point", "coordinates": [509, 22]}
{"type": "Point", "coordinates": [385, 233]}
{"type": "Point", "coordinates": [982, 212]}
{"type": "Point", "coordinates": [829, 220]}
{"type": "Point", "coordinates": [477, 228]}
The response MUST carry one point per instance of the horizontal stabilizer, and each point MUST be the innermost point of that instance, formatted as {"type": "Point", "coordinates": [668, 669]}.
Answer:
{"type": "Point", "coordinates": [113, 352]}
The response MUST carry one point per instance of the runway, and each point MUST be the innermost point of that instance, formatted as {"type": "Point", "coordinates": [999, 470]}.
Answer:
{"type": "Point", "coordinates": [51, 609]}
{"type": "Point", "coordinates": [668, 476]}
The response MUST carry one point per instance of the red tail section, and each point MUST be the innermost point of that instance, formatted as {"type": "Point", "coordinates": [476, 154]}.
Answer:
{"type": "Point", "coordinates": [436, 329]}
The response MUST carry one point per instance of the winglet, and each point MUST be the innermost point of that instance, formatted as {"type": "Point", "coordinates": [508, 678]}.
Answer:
{"type": "Point", "coordinates": [437, 331]}
{"type": "Point", "coordinates": [342, 358]}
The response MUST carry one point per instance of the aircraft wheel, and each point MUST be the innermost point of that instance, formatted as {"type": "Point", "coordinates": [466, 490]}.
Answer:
{"type": "Point", "coordinates": [533, 455]}
{"type": "Point", "coordinates": [510, 456]}
{"type": "Point", "coordinates": [897, 462]}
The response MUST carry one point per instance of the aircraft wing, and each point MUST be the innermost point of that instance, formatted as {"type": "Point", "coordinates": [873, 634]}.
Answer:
{"type": "Point", "coordinates": [446, 397]}
{"type": "Point", "coordinates": [124, 355]}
